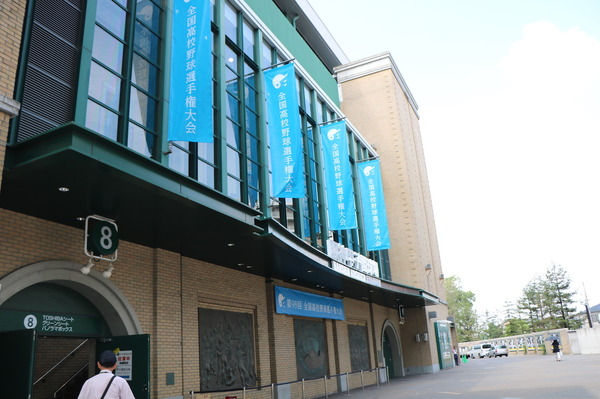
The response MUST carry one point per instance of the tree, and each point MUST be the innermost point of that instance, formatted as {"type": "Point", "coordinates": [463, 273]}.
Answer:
{"type": "Point", "coordinates": [516, 326]}
{"type": "Point", "coordinates": [527, 304]}
{"type": "Point", "coordinates": [461, 306]}
{"type": "Point", "coordinates": [492, 328]}
{"type": "Point", "coordinates": [547, 303]}
{"type": "Point", "coordinates": [510, 310]}
{"type": "Point", "coordinates": [562, 309]}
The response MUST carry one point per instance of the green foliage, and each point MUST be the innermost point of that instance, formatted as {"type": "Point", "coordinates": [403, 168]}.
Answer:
{"type": "Point", "coordinates": [516, 326]}
{"type": "Point", "coordinates": [562, 307]}
{"type": "Point", "coordinates": [461, 306]}
{"type": "Point", "coordinates": [492, 327]}
{"type": "Point", "coordinates": [547, 302]}
{"type": "Point", "coordinates": [534, 304]}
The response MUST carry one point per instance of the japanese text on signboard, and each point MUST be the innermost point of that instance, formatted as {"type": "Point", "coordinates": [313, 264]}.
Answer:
{"type": "Point", "coordinates": [190, 109]}
{"type": "Point", "coordinates": [373, 206]}
{"type": "Point", "coordinates": [340, 191]}
{"type": "Point", "coordinates": [285, 139]}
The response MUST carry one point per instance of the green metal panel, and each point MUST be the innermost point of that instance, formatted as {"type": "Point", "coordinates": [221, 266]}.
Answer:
{"type": "Point", "coordinates": [221, 141]}
{"type": "Point", "coordinates": [51, 323]}
{"type": "Point", "coordinates": [51, 309]}
{"type": "Point", "coordinates": [265, 187]}
{"type": "Point", "coordinates": [388, 356]}
{"type": "Point", "coordinates": [164, 84]}
{"type": "Point", "coordinates": [444, 344]}
{"type": "Point", "coordinates": [16, 370]}
{"type": "Point", "coordinates": [138, 376]}
{"type": "Point", "coordinates": [85, 61]}
{"type": "Point", "coordinates": [22, 68]}
{"type": "Point", "coordinates": [270, 14]}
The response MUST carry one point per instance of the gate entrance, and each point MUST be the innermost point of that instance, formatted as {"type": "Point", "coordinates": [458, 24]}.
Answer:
{"type": "Point", "coordinates": [392, 353]}
{"type": "Point", "coordinates": [51, 333]}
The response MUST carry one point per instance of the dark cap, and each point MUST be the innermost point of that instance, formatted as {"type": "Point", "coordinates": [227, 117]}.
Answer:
{"type": "Point", "coordinates": [107, 359]}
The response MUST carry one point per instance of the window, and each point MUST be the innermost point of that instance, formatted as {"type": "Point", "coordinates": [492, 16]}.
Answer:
{"type": "Point", "coordinates": [232, 163]}
{"type": "Point", "coordinates": [197, 160]}
{"type": "Point", "coordinates": [303, 215]}
{"type": "Point", "coordinates": [242, 138]}
{"type": "Point", "coordinates": [123, 86]}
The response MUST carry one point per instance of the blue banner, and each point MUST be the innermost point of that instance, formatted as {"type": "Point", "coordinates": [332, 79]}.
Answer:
{"type": "Point", "coordinates": [190, 100]}
{"type": "Point", "coordinates": [285, 138]}
{"type": "Point", "coordinates": [373, 206]}
{"type": "Point", "coordinates": [300, 303]}
{"type": "Point", "coordinates": [341, 207]}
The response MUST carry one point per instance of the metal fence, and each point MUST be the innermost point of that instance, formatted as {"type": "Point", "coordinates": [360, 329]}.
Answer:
{"type": "Point", "coordinates": [304, 388]}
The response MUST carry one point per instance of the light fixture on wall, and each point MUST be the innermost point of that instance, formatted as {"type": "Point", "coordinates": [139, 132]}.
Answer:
{"type": "Point", "coordinates": [442, 276]}
{"type": "Point", "coordinates": [428, 267]}
{"type": "Point", "coordinates": [108, 272]}
{"type": "Point", "coordinates": [87, 268]}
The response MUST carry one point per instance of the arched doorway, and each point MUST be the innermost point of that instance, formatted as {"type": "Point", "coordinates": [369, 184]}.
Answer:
{"type": "Point", "coordinates": [106, 297]}
{"type": "Point", "coordinates": [53, 319]}
{"type": "Point", "coordinates": [392, 352]}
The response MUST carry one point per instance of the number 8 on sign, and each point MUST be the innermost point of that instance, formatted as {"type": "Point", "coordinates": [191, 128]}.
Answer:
{"type": "Point", "coordinates": [103, 238]}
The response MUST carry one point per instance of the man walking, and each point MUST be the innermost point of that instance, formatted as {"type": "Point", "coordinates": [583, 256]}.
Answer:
{"type": "Point", "coordinates": [105, 385]}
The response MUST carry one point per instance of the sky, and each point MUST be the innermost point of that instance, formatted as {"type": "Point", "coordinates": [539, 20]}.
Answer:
{"type": "Point", "coordinates": [509, 105]}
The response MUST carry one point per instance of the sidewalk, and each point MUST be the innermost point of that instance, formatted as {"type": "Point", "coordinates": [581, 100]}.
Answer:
{"type": "Point", "coordinates": [516, 377]}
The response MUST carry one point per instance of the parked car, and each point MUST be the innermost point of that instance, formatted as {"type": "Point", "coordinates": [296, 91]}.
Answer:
{"type": "Point", "coordinates": [475, 351]}
{"type": "Point", "coordinates": [480, 351]}
{"type": "Point", "coordinates": [500, 350]}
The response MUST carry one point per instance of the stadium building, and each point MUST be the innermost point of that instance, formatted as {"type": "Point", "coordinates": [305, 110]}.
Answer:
{"type": "Point", "coordinates": [172, 188]}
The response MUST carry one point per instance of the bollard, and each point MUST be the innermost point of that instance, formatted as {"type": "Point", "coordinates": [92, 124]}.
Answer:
{"type": "Point", "coordinates": [325, 381]}
{"type": "Point", "coordinates": [362, 380]}
{"type": "Point", "coordinates": [244, 393]}
{"type": "Point", "coordinates": [347, 384]}
{"type": "Point", "coordinates": [303, 388]}
{"type": "Point", "coordinates": [377, 376]}
{"type": "Point", "coordinates": [272, 390]}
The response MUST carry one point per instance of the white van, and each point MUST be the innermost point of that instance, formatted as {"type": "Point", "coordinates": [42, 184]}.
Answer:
{"type": "Point", "coordinates": [480, 351]}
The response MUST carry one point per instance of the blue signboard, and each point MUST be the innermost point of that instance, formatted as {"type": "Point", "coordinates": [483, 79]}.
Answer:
{"type": "Point", "coordinates": [285, 138]}
{"type": "Point", "coordinates": [341, 207]}
{"type": "Point", "coordinates": [190, 100]}
{"type": "Point", "coordinates": [373, 206]}
{"type": "Point", "coordinates": [300, 303]}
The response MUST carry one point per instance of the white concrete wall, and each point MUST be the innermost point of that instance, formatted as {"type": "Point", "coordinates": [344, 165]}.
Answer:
{"type": "Point", "coordinates": [588, 340]}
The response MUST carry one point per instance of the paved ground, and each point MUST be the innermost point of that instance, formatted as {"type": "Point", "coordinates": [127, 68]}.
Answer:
{"type": "Point", "coordinates": [515, 377]}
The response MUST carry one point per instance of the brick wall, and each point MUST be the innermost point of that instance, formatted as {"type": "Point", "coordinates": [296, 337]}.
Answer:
{"type": "Point", "coordinates": [375, 102]}
{"type": "Point", "coordinates": [166, 290]}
